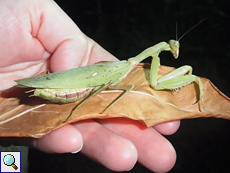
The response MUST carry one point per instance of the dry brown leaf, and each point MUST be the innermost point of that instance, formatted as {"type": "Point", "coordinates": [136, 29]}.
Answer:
{"type": "Point", "coordinates": [24, 116]}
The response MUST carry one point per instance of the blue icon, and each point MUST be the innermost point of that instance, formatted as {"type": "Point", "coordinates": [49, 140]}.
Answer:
{"type": "Point", "coordinates": [9, 160]}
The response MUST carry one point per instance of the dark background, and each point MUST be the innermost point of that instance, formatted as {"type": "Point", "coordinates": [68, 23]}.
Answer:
{"type": "Point", "coordinates": [125, 28]}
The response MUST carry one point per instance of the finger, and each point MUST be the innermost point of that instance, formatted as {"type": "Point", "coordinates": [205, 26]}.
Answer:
{"type": "Point", "coordinates": [65, 41]}
{"type": "Point", "coordinates": [99, 54]}
{"type": "Point", "coordinates": [168, 128]}
{"type": "Point", "coordinates": [93, 53]}
{"type": "Point", "coordinates": [154, 151]}
{"type": "Point", "coordinates": [106, 147]}
{"type": "Point", "coordinates": [63, 140]}
{"type": "Point", "coordinates": [60, 36]}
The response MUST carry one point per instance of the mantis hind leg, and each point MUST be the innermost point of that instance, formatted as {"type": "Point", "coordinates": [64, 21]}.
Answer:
{"type": "Point", "coordinates": [103, 87]}
{"type": "Point", "coordinates": [108, 86]}
{"type": "Point", "coordinates": [126, 88]}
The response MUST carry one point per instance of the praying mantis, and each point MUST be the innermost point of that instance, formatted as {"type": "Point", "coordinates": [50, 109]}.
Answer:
{"type": "Point", "coordinates": [84, 82]}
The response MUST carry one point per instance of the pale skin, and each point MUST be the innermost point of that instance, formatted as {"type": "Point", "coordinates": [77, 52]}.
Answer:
{"type": "Point", "coordinates": [34, 40]}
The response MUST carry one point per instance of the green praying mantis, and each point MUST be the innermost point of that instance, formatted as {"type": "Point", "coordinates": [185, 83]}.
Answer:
{"type": "Point", "coordinates": [85, 82]}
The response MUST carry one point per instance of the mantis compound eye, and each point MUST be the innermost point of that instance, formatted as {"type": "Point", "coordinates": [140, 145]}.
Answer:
{"type": "Point", "coordinates": [174, 45]}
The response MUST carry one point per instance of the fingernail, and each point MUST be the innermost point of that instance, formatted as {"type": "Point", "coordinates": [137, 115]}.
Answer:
{"type": "Point", "coordinates": [74, 152]}
{"type": "Point", "coordinates": [130, 168]}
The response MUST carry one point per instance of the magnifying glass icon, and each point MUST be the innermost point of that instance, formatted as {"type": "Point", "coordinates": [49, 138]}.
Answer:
{"type": "Point", "coordinates": [9, 160]}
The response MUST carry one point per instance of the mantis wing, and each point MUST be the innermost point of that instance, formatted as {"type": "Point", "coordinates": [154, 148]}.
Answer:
{"type": "Point", "coordinates": [93, 75]}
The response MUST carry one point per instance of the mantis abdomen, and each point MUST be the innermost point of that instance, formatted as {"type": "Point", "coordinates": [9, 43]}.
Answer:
{"type": "Point", "coordinates": [63, 95]}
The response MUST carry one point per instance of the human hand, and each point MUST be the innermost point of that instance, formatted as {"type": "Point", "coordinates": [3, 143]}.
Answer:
{"type": "Point", "coordinates": [36, 35]}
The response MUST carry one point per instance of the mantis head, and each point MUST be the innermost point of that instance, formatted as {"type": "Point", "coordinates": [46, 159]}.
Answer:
{"type": "Point", "coordinates": [174, 44]}
{"type": "Point", "coordinates": [174, 47]}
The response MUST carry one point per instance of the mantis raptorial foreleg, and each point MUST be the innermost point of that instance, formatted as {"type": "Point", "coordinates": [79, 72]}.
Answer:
{"type": "Point", "coordinates": [178, 78]}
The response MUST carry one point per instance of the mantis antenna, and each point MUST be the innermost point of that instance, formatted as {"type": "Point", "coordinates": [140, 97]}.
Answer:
{"type": "Point", "coordinates": [176, 31]}
{"type": "Point", "coordinates": [187, 30]}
